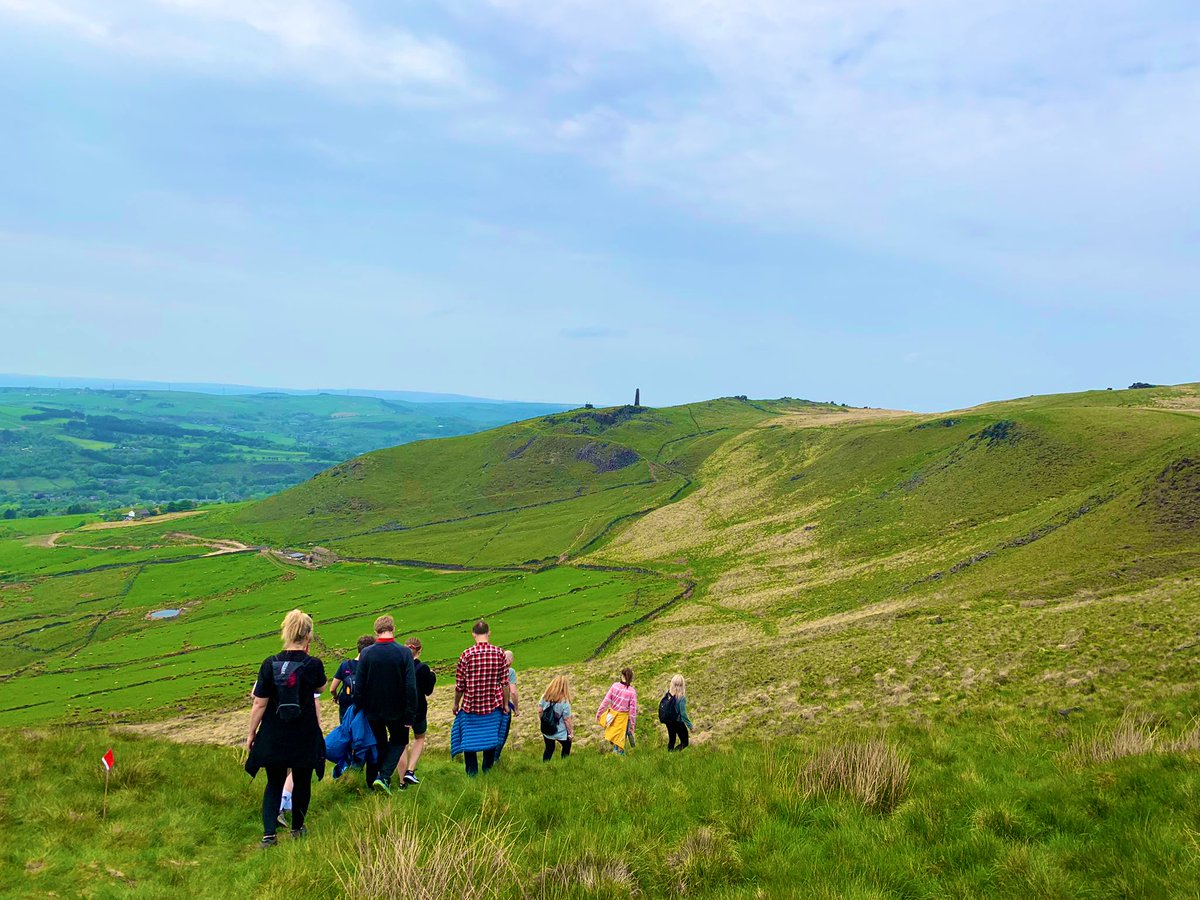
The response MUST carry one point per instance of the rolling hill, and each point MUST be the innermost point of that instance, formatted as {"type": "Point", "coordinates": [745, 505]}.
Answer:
{"type": "Point", "coordinates": [1005, 599]}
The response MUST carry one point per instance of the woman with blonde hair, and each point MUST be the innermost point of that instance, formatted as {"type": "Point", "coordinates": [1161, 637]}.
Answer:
{"type": "Point", "coordinates": [284, 731]}
{"type": "Point", "coordinates": [556, 721]}
{"type": "Point", "coordinates": [618, 712]}
{"type": "Point", "coordinates": [672, 712]}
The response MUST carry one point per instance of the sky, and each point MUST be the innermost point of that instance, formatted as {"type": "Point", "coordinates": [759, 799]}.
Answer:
{"type": "Point", "coordinates": [919, 204]}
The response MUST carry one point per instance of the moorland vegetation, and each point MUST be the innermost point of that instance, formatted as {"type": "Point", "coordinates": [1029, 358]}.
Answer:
{"type": "Point", "coordinates": [927, 655]}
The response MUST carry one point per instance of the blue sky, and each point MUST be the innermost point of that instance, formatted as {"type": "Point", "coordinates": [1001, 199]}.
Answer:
{"type": "Point", "coordinates": [909, 203]}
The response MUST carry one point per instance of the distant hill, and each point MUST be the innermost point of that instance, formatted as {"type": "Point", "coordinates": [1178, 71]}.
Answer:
{"type": "Point", "coordinates": [527, 492]}
{"type": "Point", "coordinates": [8, 379]}
{"type": "Point", "coordinates": [86, 449]}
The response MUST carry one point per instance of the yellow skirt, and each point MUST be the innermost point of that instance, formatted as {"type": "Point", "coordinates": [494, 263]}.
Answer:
{"type": "Point", "coordinates": [616, 724]}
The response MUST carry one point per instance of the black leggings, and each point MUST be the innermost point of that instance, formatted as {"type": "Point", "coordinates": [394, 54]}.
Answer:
{"type": "Point", "coordinates": [273, 794]}
{"type": "Point", "coordinates": [677, 731]}
{"type": "Point", "coordinates": [549, 751]}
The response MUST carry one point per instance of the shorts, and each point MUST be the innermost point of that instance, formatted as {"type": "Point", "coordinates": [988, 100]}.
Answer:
{"type": "Point", "coordinates": [419, 728]}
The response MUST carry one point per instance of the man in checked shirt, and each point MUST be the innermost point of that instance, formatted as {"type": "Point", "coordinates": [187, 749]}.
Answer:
{"type": "Point", "coordinates": [481, 686]}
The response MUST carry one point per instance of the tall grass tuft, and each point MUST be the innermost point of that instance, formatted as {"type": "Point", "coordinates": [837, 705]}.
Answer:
{"type": "Point", "coordinates": [873, 772]}
{"type": "Point", "coordinates": [705, 857]}
{"type": "Point", "coordinates": [1133, 735]}
{"type": "Point", "coordinates": [1189, 742]}
{"type": "Point", "coordinates": [589, 875]}
{"type": "Point", "coordinates": [398, 859]}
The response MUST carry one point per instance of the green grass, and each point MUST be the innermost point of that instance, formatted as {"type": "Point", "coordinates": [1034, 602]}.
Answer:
{"type": "Point", "coordinates": [989, 589]}
{"type": "Point", "coordinates": [80, 645]}
{"type": "Point", "coordinates": [983, 812]}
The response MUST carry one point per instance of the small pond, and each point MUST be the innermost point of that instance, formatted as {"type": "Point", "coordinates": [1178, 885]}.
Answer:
{"type": "Point", "coordinates": [165, 614]}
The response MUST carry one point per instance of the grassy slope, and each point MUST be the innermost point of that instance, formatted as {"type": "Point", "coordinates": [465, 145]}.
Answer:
{"type": "Point", "coordinates": [986, 811]}
{"type": "Point", "coordinates": [987, 588]}
{"type": "Point", "coordinates": [884, 569]}
{"type": "Point", "coordinates": [527, 492]}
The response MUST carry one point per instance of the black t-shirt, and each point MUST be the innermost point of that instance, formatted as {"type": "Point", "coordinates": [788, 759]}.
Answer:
{"type": "Point", "coordinates": [345, 674]}
{"type": "Point", "coordinates": [298, 742]}
{"type": "Point", "coordinates": [425, 683]}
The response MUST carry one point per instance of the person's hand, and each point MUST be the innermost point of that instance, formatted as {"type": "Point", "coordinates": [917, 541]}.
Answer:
{"type": "Point", "coordinates": [250, 742]}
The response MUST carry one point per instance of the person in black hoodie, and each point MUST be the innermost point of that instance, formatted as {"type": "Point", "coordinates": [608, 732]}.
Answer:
{"type": "Point", "coordinates": [426, 681]}
{"type": "Point", "coordinates": [385, 689]}
{"type": "Point", "coordinates": [284, 731]}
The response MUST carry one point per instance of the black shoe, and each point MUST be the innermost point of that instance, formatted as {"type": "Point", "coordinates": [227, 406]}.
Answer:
{"type": "Point", "coordinates": [267, 841]}
{"type": "Point", "coordinates": [300, 832]}
{"type": "Point", "coordinates": [411, 778]}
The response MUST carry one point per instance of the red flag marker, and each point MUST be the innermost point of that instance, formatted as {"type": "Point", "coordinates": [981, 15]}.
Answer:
{"type": "Point", "coordinates": [109, 761]}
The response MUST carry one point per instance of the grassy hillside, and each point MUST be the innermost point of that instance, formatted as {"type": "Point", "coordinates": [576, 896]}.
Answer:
{"type": "Point", "coordinates": [534, 491]}
{"type": "Point", "coordinates": [95, 449]}
{"type": "Point", "coordinates": [989, 615]}
{"type": "Point", "coordinates": [965, 812]}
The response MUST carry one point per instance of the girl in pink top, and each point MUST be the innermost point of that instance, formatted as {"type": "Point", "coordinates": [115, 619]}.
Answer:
{"type": "Point", "coordinates": [618, 712]}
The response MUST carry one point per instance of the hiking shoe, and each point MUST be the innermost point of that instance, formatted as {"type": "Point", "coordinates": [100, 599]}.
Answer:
{"type": "Point", "coordinates": [411, 778]}
{"type": "Point", "coordinates": [380, 785]}
{"type": "Point", "coordinates": [282, 818]}
{"type": "Point", "coordinates": [300, 832]}
{"type": "Point", "coordinates": [268, 840]}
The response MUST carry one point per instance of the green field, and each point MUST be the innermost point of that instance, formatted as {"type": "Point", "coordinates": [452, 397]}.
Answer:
{"type": "Point", "coordinates": [78, 646]}
{"type": "Point", "coordinates": [998, 607]}
{"type": "Point", "coordinates": [95, 449]}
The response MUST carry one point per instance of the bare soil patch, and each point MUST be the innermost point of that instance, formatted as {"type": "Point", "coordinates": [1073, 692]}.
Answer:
{"type": "Point", "coordinates": [152, 520]}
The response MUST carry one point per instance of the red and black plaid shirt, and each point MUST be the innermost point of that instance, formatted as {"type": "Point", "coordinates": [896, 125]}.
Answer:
{"type": "Point", "coordinates": [480, 677]}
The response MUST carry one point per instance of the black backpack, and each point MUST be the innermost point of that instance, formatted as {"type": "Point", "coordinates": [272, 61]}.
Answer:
{"type": "Point", "coordinates": [668, 709]}
{"type": "Point", "coordinates": [346, 694]}
{"type": "Point", "coordinates": [286, 675]}
{"type": "Point", "coordinates": [549, 721]}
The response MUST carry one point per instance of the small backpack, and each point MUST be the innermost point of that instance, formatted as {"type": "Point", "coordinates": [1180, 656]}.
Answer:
{"type": "Point", "coordinates": [549, 721]}
{"type": "Point", "coordinates": [668, 709]}
{"type": "Point", "coordinates": [347, 690]}
{"type": "Point", "coordinates": [286, 675]}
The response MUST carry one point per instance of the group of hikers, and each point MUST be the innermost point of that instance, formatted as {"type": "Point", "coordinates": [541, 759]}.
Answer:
{"type": "Point", "coordinates": [383, 698]}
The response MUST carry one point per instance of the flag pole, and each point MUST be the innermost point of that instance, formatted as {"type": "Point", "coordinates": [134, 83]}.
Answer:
{"type": "Point", "coordinates": [104, 807]}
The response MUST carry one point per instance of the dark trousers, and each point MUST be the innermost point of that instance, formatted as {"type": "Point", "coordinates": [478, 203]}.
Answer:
{"type": "Point", "coordinates": [390, 740]}
{"type": "Point", "coordinates": [677, 731]}
{"type": "Point", "coordinates": [549, 751]}
{"type": "Point", "coordinates": [273, 794]}
{"type": "Point", "coordinates": [472, 761]}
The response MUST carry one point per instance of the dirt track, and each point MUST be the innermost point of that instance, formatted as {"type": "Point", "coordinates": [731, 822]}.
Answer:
{"type": "Point", "coordinates": [152, 520]}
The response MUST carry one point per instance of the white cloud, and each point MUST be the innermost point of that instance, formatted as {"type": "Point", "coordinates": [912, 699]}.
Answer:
{"type": "Point", "coordinates": [317, 40]}
{"type": "Point", "coordinates": [1050, 145]}
{"type": "Point", "coordinates": [1046, 144]}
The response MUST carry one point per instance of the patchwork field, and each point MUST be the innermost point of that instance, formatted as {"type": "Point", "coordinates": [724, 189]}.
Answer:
{"type": "Point", "coordinates": [81, 646]}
